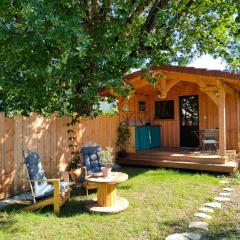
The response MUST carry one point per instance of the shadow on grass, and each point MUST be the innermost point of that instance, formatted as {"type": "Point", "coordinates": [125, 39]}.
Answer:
{"type": "Point", "coordinates": [6, 221]}
{"type": "Point", "coordinates": [78, 200]}
{"type": "Point", "coordinates": [74, 205]}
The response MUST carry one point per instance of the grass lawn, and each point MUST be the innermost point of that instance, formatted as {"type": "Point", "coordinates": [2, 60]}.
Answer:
{"type": "Point", "coordinates": [161, 202]}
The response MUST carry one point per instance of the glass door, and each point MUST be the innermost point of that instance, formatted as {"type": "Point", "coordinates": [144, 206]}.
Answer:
{"type": "Point", "coordinates": [189, 121]}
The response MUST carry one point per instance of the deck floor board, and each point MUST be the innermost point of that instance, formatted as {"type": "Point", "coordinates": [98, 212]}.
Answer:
{"type": "Point", "coordinates": [184, 159]}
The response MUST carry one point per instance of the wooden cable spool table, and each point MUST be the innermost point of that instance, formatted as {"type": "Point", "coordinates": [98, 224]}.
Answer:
{"type": "Point", "coordinates": [107, 200]}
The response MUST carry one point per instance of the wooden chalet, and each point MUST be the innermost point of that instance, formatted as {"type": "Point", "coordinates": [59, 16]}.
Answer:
{"type": "Point", "coordinates": [166, 119]}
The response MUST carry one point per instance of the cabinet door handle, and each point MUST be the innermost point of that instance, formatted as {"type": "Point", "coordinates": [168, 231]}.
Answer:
{"type": "Point", "coordinates": [150, 139]}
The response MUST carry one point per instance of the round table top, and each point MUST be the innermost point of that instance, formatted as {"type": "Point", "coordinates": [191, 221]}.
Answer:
{"type": "Point", "coordinates": [114, 178]}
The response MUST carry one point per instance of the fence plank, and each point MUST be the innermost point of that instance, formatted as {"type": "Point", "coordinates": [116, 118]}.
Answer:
{"type": "Point", "coordinates": [2, 154]}
{"type": "Point", "coordinates": [9, 159]}
{"type": "Point", "coordinates": [53, 144]}
{"type": "Point", "coordinates": [18, 154]}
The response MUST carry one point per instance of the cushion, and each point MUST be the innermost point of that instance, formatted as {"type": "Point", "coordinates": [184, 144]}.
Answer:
{"type": "Point", "coordinates": [91, 158]}
{"type": "Point", "coordinates": [34, 166]}
{"type": "Point", "coordinates": [35, 171]}
{"type": "Point", "coordinates": [47, 190]}
{"type": "Point", "coordinates": [210, 141]}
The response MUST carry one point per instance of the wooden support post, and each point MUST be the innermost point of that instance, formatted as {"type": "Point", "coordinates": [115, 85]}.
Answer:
{"type": "Point", "coordinates": [56, 197]}
{"type": "Point", "coordinates": [238, 121]}
{"type": "Point", "coordinates": [222, 122]}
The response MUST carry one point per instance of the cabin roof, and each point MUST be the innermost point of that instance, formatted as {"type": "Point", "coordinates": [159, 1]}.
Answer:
{"type": "Point", "coordinates": [189, 70]}
{"type": "Point", "coordinates": [208, 77]}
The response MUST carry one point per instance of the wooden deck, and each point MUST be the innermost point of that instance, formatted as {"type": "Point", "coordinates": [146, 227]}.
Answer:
{"type": "Point", "coordinates": [183, 158]}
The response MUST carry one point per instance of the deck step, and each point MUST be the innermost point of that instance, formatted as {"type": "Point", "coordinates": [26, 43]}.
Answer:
{"type": "Point", "coordinates": [179, 157]}
{"type": "Point", "coordinates": [229, 167]}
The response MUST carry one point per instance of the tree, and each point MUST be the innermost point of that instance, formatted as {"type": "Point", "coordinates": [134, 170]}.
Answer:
{"type": "Point", "coordinates": [56, 55]}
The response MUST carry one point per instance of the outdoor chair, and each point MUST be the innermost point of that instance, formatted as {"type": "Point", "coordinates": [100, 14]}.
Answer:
{"type": "Point", "coordinates": [90, 164]}
{"type": "Point", "coordinates": [210, 140]}
{"type": "Point", "coordinates": [45, 191]}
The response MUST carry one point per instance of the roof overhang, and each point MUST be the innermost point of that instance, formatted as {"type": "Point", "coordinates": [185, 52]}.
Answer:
{"type": "Point", "coordinates": [210, 78]}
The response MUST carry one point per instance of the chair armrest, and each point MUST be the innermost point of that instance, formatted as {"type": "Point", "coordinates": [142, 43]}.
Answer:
{"type": "Point", "coordinates": [65, 176]}
{"type": "Point", "coordinates": [45, 180]}
{"type": "Point", "coordinates": [84, 171]}
{"type": "Point", "coordinates": [52, 174]}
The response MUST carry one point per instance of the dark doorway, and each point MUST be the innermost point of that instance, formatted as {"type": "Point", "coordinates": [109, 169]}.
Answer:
{"type": "Point", "coordinates": [189, 121]}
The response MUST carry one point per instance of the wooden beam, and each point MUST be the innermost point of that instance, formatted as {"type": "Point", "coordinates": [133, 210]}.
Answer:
{"type": "Point", "coordinates": [165, 86]}
{"type": "Point", "coordinates": [209, 89]}
{"type": "Point", "coordinates": [171, 83]}
{"type": "Point", "coordinates": [222, 122]}
{"type": "Point", "coordinates": [123, 102]}
{"type": "Point", "coordinates": [228, 89]}
{"type": "Point", "coordinates": [238, 121]}
{"type": "Point", "coordinates": [213, 97]}
{"type": "Point", "coordinates": [212, 92]}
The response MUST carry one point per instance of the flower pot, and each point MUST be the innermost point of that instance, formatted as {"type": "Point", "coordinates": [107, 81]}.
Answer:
{"type": "Point", "coordinates": [106, 171]}
{"type": "Point", "coordinates": [75, 174]}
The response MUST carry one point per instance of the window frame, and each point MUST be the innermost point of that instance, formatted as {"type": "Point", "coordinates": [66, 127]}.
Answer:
{"type": "Point", "coordinates": [144, 104]}
{"type": "Point", "coordinates": [170, 116]}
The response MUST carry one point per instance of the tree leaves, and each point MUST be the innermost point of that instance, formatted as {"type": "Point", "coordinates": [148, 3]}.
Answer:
{"type": "Point", "coordinates": [56, 55]}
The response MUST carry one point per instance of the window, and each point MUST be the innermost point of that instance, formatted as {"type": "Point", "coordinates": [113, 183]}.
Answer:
{"type": "Point", "coordinates": [164, 109]}
{"type": "Point", "coordinates": [141, 106]}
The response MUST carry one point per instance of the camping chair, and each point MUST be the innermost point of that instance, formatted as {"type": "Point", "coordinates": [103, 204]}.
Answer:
{"type": "Point", "coordinates": [210, 140]}
{"type": "Point", "coordinates": [45, 191]}
{"type": "Point", "coordinates": [90, 164]}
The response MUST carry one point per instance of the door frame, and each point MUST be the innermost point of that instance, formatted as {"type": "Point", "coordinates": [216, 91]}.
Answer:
{"type": "Point", "coordinates": [180, 114]}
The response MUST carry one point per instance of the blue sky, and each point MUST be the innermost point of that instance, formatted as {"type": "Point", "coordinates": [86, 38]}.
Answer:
{"type": "Point", "coordinates": [206, 61]}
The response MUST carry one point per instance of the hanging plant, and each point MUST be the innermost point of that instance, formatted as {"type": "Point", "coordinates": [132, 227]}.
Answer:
{"type": "Point", "coordinates": [75, 165]}
{"type": "Point", "coordinates": [122, 143]}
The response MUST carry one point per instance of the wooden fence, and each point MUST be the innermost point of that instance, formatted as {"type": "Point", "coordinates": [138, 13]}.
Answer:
{"type": "Point", "coordinates": [50, 138]}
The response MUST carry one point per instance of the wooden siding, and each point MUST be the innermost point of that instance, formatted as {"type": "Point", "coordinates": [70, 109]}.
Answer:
{"type": "Point", "coordinates": [208, 113]}
{"type": "Point", "coordinates": [50, 138]}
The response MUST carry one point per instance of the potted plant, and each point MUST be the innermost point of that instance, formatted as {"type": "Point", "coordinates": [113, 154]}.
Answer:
{"type": "Point", "coordinates": [75, 167]}
{"type": "Point", "coordinates": [124, 135]}
{"type": "Point", "coordinates": [106, 160]}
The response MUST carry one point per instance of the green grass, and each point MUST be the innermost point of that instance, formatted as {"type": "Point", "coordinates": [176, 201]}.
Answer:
{"type": "Point", "coordinates": [161, 202]}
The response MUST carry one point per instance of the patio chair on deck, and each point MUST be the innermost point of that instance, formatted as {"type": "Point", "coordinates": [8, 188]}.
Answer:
{"type": "Point", "coordinates": [90, 164]}
{"type": "Point", "coordinates": [210, 140]}
{"type": "Point", "coordinates": [45, 191]}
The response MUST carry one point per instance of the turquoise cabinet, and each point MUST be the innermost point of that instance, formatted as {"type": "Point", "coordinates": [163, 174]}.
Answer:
{"type": "Point", "coordinates": [155, 136]}
{"type": "Point", "coordinates": [147, 137]}
{"type": "Point", "coordinates": [137, 139]}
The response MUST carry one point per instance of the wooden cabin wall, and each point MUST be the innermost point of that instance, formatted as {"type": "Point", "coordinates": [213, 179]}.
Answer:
{"type": "Point", "coordinates": [208, 114]}
{"type": "Point", "coordinates": [133, 116]}
{"type": "Point", "coordinates": [238, 121]}
{"type": "Point", "coordinates": [170, 129]}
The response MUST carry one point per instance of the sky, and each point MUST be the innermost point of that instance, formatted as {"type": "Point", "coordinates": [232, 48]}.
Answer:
{"type": "Point", "coordinates": [206, 61]}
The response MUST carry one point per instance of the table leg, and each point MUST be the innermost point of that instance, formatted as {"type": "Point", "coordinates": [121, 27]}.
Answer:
{"type": "Point", "coordinates": [106, 195]}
